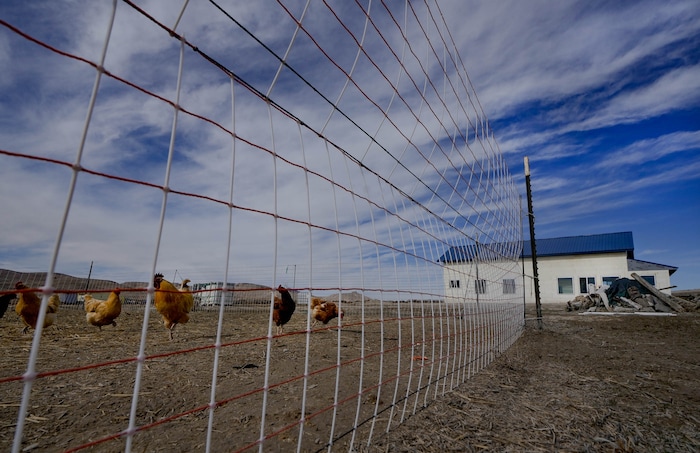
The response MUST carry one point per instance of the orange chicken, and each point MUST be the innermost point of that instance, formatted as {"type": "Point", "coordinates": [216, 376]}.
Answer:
{"type": "Point", "coordinates": [103, 312]}
{"type": "Point", "coordinates": [283, 309]}
{"type": "Point", "coordinates": [172, 303]}
{"type": "Point", "coordinates": [29, 304]}
{"type": "Point", "coordinates": [324, 311]}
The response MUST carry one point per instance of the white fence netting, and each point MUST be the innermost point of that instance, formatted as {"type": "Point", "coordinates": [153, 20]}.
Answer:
{"type": "Point", "coordinates": [337, 149]}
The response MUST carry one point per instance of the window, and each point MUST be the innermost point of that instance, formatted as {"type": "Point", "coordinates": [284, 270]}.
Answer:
{"type": "Point", "coordinates": [607, 281]}
{"type": "Point", "coordinates": [454, 283]}
{"type": "Point", "coordinates": [584, 282]}
{"type": "Point", "coordinates": [508, 286]}
{"type": "Point", "coordinates": [566, 285]}
{"type": "Point", "coordinates": [480, 286]}
{"type": "Point", "coordinates": [650, 279]}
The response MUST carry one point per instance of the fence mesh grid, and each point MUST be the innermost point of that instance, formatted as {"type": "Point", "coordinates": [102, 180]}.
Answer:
{"type": "Point", "coordinates": [336, 149]}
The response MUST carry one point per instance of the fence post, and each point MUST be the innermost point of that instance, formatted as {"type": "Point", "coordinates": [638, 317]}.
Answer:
{"type": "Point", "coordinates": [533, 247]}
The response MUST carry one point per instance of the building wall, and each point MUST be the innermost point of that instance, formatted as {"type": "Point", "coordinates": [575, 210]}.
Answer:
{"type": "Point", "coordinates": [210, 296]}
{"type": "Point", "coordinates": [551, 269]}
{"type": "Point", "coordinates": [662, 279]}
{"type": "Point", "coordinates": [500, 282]}
{"type": "Point", "coordinates": [601, 268]}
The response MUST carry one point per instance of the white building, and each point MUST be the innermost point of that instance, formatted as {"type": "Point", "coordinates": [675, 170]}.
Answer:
{"type": "Point", "coordinates": [566, 267]}
{"type": "Point", "coordinates": [209, 294]}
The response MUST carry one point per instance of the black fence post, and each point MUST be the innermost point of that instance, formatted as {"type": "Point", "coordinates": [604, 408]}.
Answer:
{"type": "Point", "coordinates": [533, 246]}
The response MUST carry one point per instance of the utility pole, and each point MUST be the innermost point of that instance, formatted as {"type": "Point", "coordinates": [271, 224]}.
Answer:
{"type": "Point", "coordinates": [476, 264]}
{"type": "Point", "coordinates": [294, 283]}
{"type": "Point", "coordinates": [533, 247]}
{"type": "Point", "coordinates": [87, 284]}
{"type": "Point", "coordinates": [522, 259]}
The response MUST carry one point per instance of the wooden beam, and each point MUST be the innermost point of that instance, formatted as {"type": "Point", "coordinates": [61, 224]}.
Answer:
{"type": "Point", "coordinates": [668, 299]}
{"type": "Point", "coordinates": [631, 302]}
{"type": "Point", "coordinates": [601, 293]}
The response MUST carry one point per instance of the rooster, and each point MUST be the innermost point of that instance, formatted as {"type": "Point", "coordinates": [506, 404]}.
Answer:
{"type": "Point", "coordinates": [172, 303]}
{"type": "Point", "coordinates": [29, 304]}
{"type": "Point", "coordinates": [5, 302]}
{"type": "Point", "coordinates": [103, 312]}
{"type": "Point", "coordinates": [283, 309]}
{"type": "Point", "coordinates": [324, 311]}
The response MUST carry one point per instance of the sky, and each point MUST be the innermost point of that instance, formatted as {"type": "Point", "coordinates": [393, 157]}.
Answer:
{"type": "Point", "coordinates": [603, 98]}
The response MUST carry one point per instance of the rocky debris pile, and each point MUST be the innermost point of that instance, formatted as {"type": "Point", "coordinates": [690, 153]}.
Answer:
{"type": "Point", "coordinates": [631, 295]}
{"type": "Point", "coordinates": [588, 302]}
{"type": "Point", "coordinates": [691, 298]}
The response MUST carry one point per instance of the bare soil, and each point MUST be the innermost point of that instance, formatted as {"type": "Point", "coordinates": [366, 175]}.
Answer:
{"type": "Point", "coordinates": [86, 376]}
{"type": "Point", "coordinates": [581, 383]}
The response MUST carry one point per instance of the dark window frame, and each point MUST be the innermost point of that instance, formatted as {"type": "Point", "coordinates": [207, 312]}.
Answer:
{"type": "Point", "coordinates": [508, 286]}
{"type": "Point", "coordinates": [480, 286]}
{"type": "Point", "coordinates": [561, 289]}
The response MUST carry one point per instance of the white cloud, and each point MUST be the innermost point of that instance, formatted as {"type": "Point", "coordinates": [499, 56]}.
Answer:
{"type": "Point", "coordinates": [649, 150]}
{"type": "Point", "coordinates": [575, 60]}
{"type": "Point", "coordinates": [678, 89]}
{"type": "Point", "coordinates": [543, 51]}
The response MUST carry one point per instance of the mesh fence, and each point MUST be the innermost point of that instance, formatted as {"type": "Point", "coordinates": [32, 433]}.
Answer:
{"type": "Point", "coordinates": [337, 150]}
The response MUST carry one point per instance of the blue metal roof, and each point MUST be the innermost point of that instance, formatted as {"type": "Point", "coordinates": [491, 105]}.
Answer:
{"type": "Point", "coordinates": [583, 245]}
{"type": "Point", "coordinates": [571, 245]}
{"type": "Point", "coordinates": [484, 252]}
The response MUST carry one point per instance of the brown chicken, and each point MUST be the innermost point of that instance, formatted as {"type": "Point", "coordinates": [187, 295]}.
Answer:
{"type": "Point", "coordinates": [283, 309]}
{"type": "Point", "coordinates": [103, 312]}
{"type": "Point", "coordinates": [29, 304]}
{"type": "Point", "coordinates": [324, 311]}
{"type": "Point", "coordinates": [172, 303]}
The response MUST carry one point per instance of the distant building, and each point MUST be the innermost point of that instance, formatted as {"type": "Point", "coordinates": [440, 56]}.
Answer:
{"type": "Point", "coordinates": [567, 267]}
{"type": "Point", "coordinates": [210, 293]}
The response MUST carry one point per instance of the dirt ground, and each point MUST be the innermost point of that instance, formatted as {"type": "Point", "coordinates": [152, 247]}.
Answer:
{"type": "Point", "coordinates": [83, 393]}
{"type": "Point", "coordinates": [582, 383]}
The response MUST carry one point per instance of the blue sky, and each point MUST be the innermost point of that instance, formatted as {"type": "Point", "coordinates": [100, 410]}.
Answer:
{"type": "Point", "coordinates": [604, 98]}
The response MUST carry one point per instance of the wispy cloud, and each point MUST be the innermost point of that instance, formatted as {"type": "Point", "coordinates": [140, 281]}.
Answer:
{"type": "Point", "coordinates": [676, 90]}
{"type": "Point", "coordinates": [560, 81]}
{"type": "Point", "coordinates": [650, 150]}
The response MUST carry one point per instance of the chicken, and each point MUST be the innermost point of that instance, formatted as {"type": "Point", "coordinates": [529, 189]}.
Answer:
{"type": "Point", "coordinates": [28, 305]}
{"type": "Point", "coordinates": [5, 302]}
{"type": "Point", "coordinates": [324, 311]}
{"type": "Point", "coordinates": [103, 312]}
{"type": "Point", "coordinates": [184, 285]}
{"type": "Point", "coordinates": [283, 309]}
{"type": "Point", "coordinates": [172, 303]}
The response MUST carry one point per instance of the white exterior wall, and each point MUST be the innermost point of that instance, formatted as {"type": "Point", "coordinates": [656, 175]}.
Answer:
{"type": "Point", "coordinates": [493, 276]}
{"type": "Point", "coordinates": [213, 296]}
{"type": "Point", "coordinates": [582, 266]}
{"type": "Point", "coordinates": [550, 270]}
{"type": "Point", "coordinates": [662, 279]}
